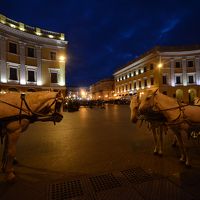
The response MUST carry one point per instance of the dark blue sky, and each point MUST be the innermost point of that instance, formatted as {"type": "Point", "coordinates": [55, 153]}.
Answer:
{"type": "Point", "coordinates": [104, 35]}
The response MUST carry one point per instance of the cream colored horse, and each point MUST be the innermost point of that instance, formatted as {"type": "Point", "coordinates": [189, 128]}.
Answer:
{"type": "Point", "coordinates": [157, 127]}
{"type": "Point", "coordinates": [17, 111]}
{"type": "Point", "coordinates": [182, 119]}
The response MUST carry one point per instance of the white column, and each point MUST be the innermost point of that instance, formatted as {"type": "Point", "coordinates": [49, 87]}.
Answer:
{"type": "Point", "coordinates": [197, 66]}
{"type": "Point", "coordinates": [22, 63]}
{"type": "Point", "coordinates": [39, 65]}
{"type": "Point", "coordinates": [3, 59]}
{"type": "Point", "coordinates": [172, 72]}
{"type": "Point", "coordinates": [184, 72]}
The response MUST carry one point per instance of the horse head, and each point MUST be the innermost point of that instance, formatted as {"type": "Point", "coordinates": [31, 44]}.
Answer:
{"type": "Point", "coordinates": [134, 108]}
{"type": "Point", "coordinates": [47, 104]}
{"type": "Point", "coordinates": [147, 101]}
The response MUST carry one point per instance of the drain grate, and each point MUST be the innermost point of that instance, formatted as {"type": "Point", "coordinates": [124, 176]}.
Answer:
{"type": "Point", "coordinates": [65, 190]}
{"type": "Point", "coordinates": [104, 182]}
{"type": "Point", "coordinates": [137, 175]}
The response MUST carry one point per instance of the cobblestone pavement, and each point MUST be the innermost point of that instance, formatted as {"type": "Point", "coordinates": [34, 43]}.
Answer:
{"type": "Point", "coordinates": [99, 154]}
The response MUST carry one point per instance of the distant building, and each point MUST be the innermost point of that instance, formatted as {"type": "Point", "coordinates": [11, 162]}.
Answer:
{"type": "Point", "coordinates": [174, 70]}
{"type": "Point", "coordinates": [79, 93]}
{"type": "Point", "coordinates": [103, 90]}
{"type": "Point", "coordinates": [31, 58]}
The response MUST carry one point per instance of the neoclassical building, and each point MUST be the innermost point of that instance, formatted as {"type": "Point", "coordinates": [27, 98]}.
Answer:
{"type": "Point", "coordinates": [174, 70]}
{"type": "Point", "coordinates": [31, 58]}
{"type": "Point", "coordinates": [102, 90]}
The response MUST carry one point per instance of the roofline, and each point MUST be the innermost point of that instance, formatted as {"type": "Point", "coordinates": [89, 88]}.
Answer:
{"type": "Point", "coordinates": [158, 49]}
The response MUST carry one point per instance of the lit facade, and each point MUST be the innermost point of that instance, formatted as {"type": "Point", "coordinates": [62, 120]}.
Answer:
{"type": "Point", "coordinates": [174, 70]}
{"type": "Point", "coordinates": [102, 90]}
{"type": "Point", "coordinates": [31, 59]}
{"type": "Point", "coordinates": [80, 93]}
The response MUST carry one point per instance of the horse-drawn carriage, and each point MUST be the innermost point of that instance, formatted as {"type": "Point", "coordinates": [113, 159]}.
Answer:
{"type": "Point", "coordinates": [163, 113]}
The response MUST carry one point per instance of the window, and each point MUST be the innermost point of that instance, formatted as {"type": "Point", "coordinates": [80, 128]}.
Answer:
{"type": "Point", "coordinates": [140, 84]}
{"type": "Point", "coordinates": [53, 55]}
{"type": "Point", "coordinates": [178, 80]}
{"type": "Point", "coordinates": [191, 79]}
{"type": "Point", "coordinates": [164, 78]}
{"type": "Point", "coordinates": [54, 77]}
{"type": "Point", "coordinates": [151, 66]}
{"type": "Point", "coordinates": [134, 73]}
{"type": "Point", "coordinates": [145, 82]}
{"type": "Point", "coordinates": [139, 71]}
{"type": "Point", "coordinates": [135, 85]}
{"type": "Point", "coordinates": [31, 52]}
{"type": "Point", "coordinates": [178, 64]}
{"type": "Point", "coordinates": [190, 63]}
{"type": "Point", "coordinates": [13, 74]}
{"type": "Point", "coordinates": [126, 87]}
{"type": "Point", "coordinates": [145, 69]}
{"type": "Point", "coordinates": [13, 48]}
{"type": "Point", "coordinates": [152, 81]}
{"type": "Point", "coordinates": [31, 76]}
{"type": "Point", "coordinates": [130, 86]}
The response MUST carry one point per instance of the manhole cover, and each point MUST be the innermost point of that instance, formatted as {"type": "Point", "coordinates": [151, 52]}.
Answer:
{"type": "Point", "coordinates": [104, 182]}
{"type": "Point", "coordinates": [137, 175]}
{"type": "Point", "coordinates": [65, 190]}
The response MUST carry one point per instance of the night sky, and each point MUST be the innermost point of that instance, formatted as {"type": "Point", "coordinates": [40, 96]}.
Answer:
{"type": "Point", "coordinates": [105, 35]}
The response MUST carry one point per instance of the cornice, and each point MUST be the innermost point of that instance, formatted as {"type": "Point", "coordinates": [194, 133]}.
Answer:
{"type": "Point", "coordinates": [27, 36]}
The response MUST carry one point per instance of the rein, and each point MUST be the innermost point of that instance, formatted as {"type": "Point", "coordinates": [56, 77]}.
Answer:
{"type": "Point", "coordinates": [30, 115]}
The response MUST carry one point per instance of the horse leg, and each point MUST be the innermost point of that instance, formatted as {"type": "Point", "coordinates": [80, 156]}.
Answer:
{"type": "Point", "coordinates": [155, 141]}
{"type": "Point", "coordinates": [4, 155]}
{"type": "Point", "coordinates": [160, 134]}
{"type": "Point", "coordinates": [184, 156]}
{"type": "Point", "coordinates": [11, 153]}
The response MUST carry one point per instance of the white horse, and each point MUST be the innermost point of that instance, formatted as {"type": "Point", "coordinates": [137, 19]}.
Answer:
{"type": "Point", "coordinates": [17, 111]}
{"type": "Point", "coordinates": [181, 118]}
{"type": "Point", "coordinates": [157, 127]}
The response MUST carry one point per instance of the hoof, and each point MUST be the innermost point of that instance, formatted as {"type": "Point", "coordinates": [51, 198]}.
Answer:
{"type": "Point", "coordinates": [160, 154]}
{"type": "Point", "coordinates": [155, 153]}
{"type": "Point", "coordinates": [188, 166]}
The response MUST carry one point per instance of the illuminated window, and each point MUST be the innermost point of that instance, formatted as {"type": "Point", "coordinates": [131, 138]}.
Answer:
{"type": "Point", "coordinates": [53, 55]}
{"type": "Point", "coordinates": [12, 47]}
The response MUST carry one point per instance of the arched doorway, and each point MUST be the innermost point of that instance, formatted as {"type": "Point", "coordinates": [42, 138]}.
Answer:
{"type": "Point", "coordinates": [179, 95]}
{"type": "Point", "coordinates": [192, 94]}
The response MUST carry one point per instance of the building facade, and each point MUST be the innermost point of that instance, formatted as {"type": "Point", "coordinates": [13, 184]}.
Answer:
{"type": "Point", "coordinates": [31, 59]}
{"type": "Point", "coordinates": [79, 93]}
{"type": "Point", "coordinates": [102, 90]}
{"type": "Point", "coordinates": [174, 70]}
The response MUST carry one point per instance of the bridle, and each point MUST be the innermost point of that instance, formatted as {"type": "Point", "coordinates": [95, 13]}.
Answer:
{"type": "Point", "coordinates": [35, 116]}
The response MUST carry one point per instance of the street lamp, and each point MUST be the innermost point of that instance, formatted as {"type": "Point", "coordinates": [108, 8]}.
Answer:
{"type": "Point", "coordinates": [62, 59]}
